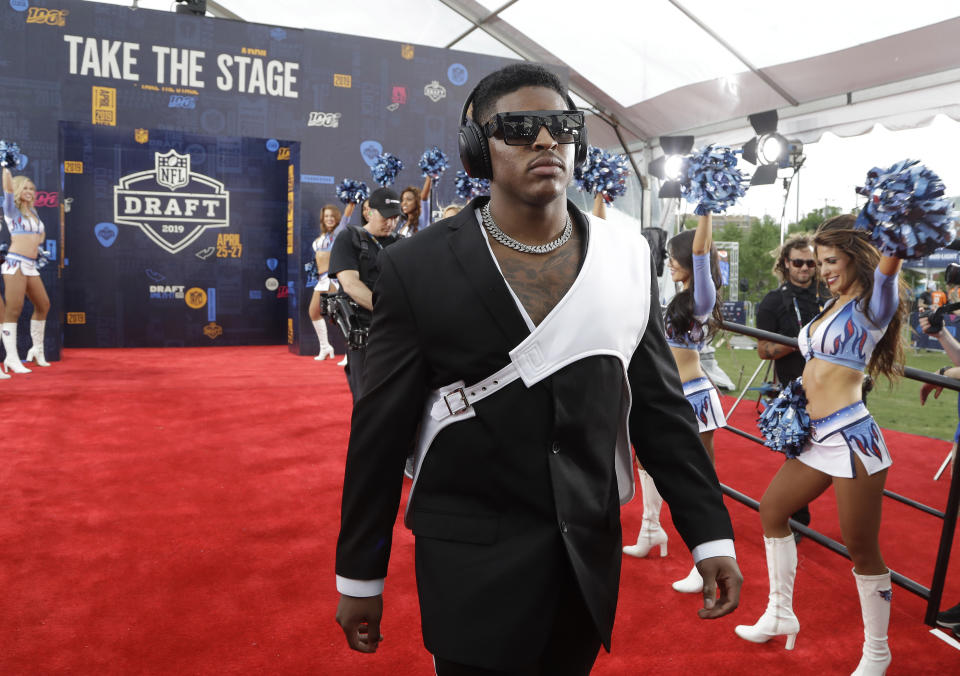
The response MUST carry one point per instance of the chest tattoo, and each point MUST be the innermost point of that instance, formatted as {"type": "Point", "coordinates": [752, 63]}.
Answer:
{"type": "Point", "coordinates": [541, 280]}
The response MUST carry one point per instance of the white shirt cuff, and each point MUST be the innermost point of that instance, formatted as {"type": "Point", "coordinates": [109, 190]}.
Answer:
{"type": "Point", "coordinates": [360, 588]}
{"type": "Point", "coordinates": [712, 548]}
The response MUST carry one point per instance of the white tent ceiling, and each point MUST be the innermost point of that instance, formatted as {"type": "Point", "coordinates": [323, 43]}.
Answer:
{"type": "Point", "coordinates": [660, 67]}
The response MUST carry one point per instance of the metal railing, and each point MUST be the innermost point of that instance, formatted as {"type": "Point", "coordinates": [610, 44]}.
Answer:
{"type": "Point", "coordinates": [933, 594]}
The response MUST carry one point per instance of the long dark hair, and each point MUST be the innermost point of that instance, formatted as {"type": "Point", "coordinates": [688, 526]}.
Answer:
{"type": "Point", "coordinates": [680, 317]}
{"type": "Point", "coordinates": [838, 232]}
{"type": "Point", "coordinates": [413, 218]}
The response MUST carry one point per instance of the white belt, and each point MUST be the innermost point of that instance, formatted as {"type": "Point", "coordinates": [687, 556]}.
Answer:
{"type": "Point", "coordinates": [457, 398]}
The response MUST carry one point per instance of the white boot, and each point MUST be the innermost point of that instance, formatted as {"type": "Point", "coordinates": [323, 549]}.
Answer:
{"type": "Point", "coordinates": [778, 618]}
{"type": "Point", "coordinates": [326, 349]}
{"type": "Point", "coordinates": [12, 361]}
{"type": "Point", "coordinates": [35, 353]}
{"type": "Point", "coordinates": [651, 533]}
{"type": "Point", "coordinates": [875, 595]}
{"type": "Point", "coordinates": [691, 584]}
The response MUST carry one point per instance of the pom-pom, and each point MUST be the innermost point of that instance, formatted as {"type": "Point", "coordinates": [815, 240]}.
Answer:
{"type": "Point", "coordinates": [603, 173]}
{"type": "Point", "coordinates": [712, 180]}
{"type": "Point", "coordinates": [312, 275]}
{"type": "Point", "coordinates": [433, 162]}
{"type": "Point", "coordinates": [3, 252]}
{"type": "Point", "coordinates": [353, 191]}
{"type": "Point", "coordinates": [785, 423]}
{"type": "Point", "coordinates": [467, 188]}
{"type": "Point", "coordinates": [10, 155]}
{"type": "Point", "coordinates": [906, 213]}
{"type": "Point", "coordinates": [43, 257]}
{"type": "Point", "coordinates": [385, 169]}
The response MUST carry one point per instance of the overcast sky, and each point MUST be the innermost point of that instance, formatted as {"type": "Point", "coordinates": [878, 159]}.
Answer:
{"type": "Point", "coordinates": [835, 166]}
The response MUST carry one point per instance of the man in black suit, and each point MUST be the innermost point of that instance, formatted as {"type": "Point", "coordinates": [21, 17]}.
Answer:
{"type": "Point", "coordinates": [514, 337]}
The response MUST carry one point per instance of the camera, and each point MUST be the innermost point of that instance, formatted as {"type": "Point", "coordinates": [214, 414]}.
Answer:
{"type": "Point", "coordinates": [951, 276]}
{"type": "Point", "coordinates": [345, 313]}
{"type": "Point", "coordinates": [935, 317]}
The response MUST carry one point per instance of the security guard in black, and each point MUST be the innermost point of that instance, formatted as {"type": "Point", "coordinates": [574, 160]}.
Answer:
{"type": "Point", "coordinates": [354, 262]}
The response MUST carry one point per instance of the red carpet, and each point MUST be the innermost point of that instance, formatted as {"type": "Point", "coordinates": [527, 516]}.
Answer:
{"type": "Point", "coordinates": [175, 511]}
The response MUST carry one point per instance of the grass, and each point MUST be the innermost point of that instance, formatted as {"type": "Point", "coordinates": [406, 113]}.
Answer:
{"type": "Point", "coordinates": [895, 407]}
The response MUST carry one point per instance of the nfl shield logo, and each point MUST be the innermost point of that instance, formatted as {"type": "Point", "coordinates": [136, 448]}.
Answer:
{"type": "Point", "coordinates": [173, 169]}
{"type": "Point", "coordinates": [141, 135]}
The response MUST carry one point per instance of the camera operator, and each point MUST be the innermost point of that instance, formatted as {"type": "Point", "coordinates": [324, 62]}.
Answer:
{"type": "Point", "coordinates": [353, 261]}
{"type": "Point", "coordinates": [786, 309]}
{"type": "Point", "coordinates": [931, 323]}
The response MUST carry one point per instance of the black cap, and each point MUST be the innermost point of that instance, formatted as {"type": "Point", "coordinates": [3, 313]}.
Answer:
{"type": "Point", "coordinates": [386, 202]}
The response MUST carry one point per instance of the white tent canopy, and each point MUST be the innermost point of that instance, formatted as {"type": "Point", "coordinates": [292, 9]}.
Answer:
{"type": "Point", "coordinates": [661, 67]}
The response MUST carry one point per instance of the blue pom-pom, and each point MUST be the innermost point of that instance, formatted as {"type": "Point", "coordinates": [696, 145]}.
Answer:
{"type": "Point", "coordinates": [481, 186]}
{"type": "Point", "coordinates": [433, 163]}
{"type": "Point", "coordinates": [43, 257]}
{"type": "Point", "coordinates": [785, 423]}
{"type": "Point", "coordinates": [386, 168]}
{"type": "Point", "coordinates": [467, 188]}
{"type": "Point", "coordinates": [312, 275]}
{"type": "Point", "coordinates": [906, 213]}
{"type": "Point", "coordinates": [603, 173]}
{"type": "Point", "coordinates": [10, 155]}
{"type": "Point", "coordinates": [3, 252]}
{"type": "Point", "coordinates": [712, 180]}
{"type": "Point", "coordinates": [350, 190]}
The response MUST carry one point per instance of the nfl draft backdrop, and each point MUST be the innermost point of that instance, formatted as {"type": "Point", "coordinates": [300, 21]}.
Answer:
{"type": "Point", "coordinates": [239, 131]}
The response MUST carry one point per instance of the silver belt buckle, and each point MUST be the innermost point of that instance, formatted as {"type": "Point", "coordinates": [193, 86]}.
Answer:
{"type": "Point", "coordinates": [458, 406]}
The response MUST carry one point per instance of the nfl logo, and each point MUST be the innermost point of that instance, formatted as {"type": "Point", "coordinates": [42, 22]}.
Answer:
{"type": "Point", "coordinates": [141, 135]}
{"type": "Point", "coordinates": [173, 169]}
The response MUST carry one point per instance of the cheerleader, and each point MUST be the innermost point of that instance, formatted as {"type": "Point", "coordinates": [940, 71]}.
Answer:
{"type": "Point", "coordinates": [858, 329]}
{"type": "Point", "coordinates": [330, 226]}
{"type": "Point", "coordinates": [415, 205]}
{"type": "Point", "coordinates": [21, 277]}
{"type": "Point", "coordinates": [692, 317]}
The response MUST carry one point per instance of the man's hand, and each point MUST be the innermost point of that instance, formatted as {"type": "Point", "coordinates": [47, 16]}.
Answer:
{"type": "Point", "coordinates": [360, 619]}
{"type": "Point", "coordinates": [767, 349]}
{"type": "Point", "coordinates": [925, 391]}
{"type": "Point", "coordinates": [720, 574]}
{"type": "Point", "coordinates": [924, 324]}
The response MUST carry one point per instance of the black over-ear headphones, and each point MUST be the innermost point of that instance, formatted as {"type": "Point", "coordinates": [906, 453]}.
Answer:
{"type": "Point", "coordinates": [475, 148]}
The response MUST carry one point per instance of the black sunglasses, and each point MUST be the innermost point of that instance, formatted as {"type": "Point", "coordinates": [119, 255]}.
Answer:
{"type": "Point", "coordinates": [522, 128]}
{"type": "Point", "coordinates": [800, 262]}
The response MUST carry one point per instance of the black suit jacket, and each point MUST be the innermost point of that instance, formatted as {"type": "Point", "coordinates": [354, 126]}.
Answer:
{"type": "Point", "coordinates": [504, 499]}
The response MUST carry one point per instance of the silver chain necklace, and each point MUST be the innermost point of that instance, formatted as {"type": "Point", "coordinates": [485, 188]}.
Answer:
{"type": "Point", "coordinates": [510, 242]}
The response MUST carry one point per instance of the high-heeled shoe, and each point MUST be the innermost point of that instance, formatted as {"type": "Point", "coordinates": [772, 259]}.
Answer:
{"type": "Point", "coordinates": [691, 584]}
{"type": "Point", "coordinates": [11, 362]}
{"type": "Point", "coordinates": [778, 619]}
{"type": "Point", "coordinates": [4, 375]}
{"type": "Point", "coordinates": [651, 533]}
{"type": "Point", "coordinates": [13, 365]}
{"type": "Point", "coordinates": [35, 353]}
{"type": "Point", "coordinates": [649, 537]}
{"type": "Point", "coordinates": [325, 353]}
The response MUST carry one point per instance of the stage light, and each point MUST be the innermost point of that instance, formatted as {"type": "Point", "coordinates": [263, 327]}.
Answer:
{"type": "Point", "coordinates": [771, 147]}
{"type": "Point", "coordinates": [195, 7]}
{"type": "Point", "coordinates": [768, 149]}
{"type": "Point", "coordinates": [673, 167]}
{"type": "Point", "coordinates": [670, 167]}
